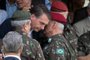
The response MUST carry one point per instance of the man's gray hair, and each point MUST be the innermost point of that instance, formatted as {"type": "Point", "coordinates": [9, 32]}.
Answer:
{"type": "Point", "coordinates": [12, 42]}
{"type": "Point", "coordinates": [19, 22]}
{"type": "Point", "coordinates": [61, 26]}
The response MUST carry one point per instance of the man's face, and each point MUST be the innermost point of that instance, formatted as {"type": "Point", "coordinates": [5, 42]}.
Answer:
{"type": "Point", "coordinates": [23, 3]}
{"type": "Point", "coordinates": [27, 27]}
{"type": "Point", "coordinates": [49, 29]}
{"type": "Point", "coordinates": [39, 23]}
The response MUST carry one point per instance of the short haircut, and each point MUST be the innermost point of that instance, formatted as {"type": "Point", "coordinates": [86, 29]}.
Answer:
{"type": "Point", "coordinates": [12, 42]}
{"type": "Point", "coordinates": [38, 10]}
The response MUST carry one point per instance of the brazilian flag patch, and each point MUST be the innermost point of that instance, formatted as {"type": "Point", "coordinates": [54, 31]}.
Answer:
{"type": "Point", "coordinates": [60, 51]}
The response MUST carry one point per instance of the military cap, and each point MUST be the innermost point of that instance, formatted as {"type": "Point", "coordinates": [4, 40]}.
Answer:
{"type": "Point", "coordinates": [59, 5]}
{"type": "Point", "coordinates": [20, 17]}
{"type": "Point", "coordinates": [58, 17]}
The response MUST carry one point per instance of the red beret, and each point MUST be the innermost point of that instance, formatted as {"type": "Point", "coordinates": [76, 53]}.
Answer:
{"type": "Point", "coordinates": [59, 5]}
{"type": "Point", "coordinates": [58, 17]}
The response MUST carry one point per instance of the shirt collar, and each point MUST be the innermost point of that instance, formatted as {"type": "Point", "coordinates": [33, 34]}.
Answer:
{"type": "Point", "coordinates": [12, 56]}
{"type": "Point", "coordinates": [49, 40]}
{"type": "Point", "coordinates": [54, 36]}
{"type": "Point", "coordinates": [30, 34]}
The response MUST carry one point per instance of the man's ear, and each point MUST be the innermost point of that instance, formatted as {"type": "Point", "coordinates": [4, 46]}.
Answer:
{"type": "Point", "coordinates": [23, 28]}
{"type": "Point", "coordinates": [33, 17]}
{"type": "Point", "coordinates": [20, 50]}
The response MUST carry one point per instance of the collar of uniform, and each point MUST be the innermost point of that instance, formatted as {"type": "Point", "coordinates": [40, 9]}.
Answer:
{"type": "Point", "coordinates": [12, 56]}
{"type": "Point", "coordinates": [49, 40]}
{"type": "Point", "coordinates": [54, 36]}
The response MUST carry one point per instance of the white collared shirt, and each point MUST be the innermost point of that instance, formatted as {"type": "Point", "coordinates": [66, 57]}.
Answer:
{"type": "Point", "coordinates": [30, 34]}
{"type": "Point", "coordinates": [12, 56]}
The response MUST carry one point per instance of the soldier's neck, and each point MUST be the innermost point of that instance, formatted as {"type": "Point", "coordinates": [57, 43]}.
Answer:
{"type": "Point", "coordinates": [57, 32]}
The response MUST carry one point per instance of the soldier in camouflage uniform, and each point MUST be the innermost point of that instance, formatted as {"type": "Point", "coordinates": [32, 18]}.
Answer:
{"type": "Point", "coordinates": [21, 24]}
{"type": "Point", "coordinates": [70, 35]}
{"type": "Point", "coordinates": [58, 48]}
{"type": "Point", "coordinates": [84, 46]}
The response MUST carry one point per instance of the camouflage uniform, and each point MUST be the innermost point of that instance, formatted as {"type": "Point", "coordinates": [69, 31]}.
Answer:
{"type": "Point", "coordinates": [59, 49]}
{"type": "Point", "coordinates": [70, 35]}
{"type": "Point", "coordinates": [31, 50]}
{"type": "Point", "coordinates": [84, 44]}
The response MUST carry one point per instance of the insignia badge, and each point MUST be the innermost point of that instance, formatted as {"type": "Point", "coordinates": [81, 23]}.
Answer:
{"type": "Point", "coordinates": [49, 40]}
{"type": "Point", "coordinates": [60, 51]}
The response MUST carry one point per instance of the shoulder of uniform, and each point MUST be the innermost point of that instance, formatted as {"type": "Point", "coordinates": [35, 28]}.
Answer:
{"type": "Point", "coordinates": [34, 41]}
{"type": "Point", "coordinates": [80, 23]}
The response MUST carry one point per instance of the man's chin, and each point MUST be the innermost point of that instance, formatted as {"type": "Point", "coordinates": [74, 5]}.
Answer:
{"type": "Point", "coordinates": [37, 30]}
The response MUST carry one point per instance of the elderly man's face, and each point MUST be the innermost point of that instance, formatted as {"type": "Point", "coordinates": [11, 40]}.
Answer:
{"type": "Point", "coordinates": [27, 27]}
{"type": "Point", "coordinates": [23, 3]}
{"type": "Point", "coordinates": [39, 23]}
{"type": "Point", "coordinates": [49, 29]}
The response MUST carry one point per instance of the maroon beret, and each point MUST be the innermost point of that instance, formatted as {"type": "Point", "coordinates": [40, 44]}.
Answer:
{"type": "Point", "coordinates": [58, 17]}
{"type": "Point", "coordinates": [59, 5]}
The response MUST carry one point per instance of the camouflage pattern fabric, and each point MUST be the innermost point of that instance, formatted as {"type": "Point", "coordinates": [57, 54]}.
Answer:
{"type": "Point", "coordinates": [71, 36]}
{"type": "Point", "coordinates": [84, 44]}
{"type": "Point", "coordinates": [32, 50]}
{"type": "Point", "coordinates": [59, 49]}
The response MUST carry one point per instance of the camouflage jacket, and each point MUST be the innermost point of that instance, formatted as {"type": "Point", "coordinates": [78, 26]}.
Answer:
{"type": "Point", "coordinates": [31, 50]}
{"type": "Point", "coordinates": [84, 44]}
{"type": "Point", "coordinates": [59, 49]}
{"type": "Point", "coordinates": [71, 36]}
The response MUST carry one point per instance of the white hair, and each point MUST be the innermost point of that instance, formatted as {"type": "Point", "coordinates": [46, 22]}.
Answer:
{"type": "Point", "coordinates": [61, 26]}
{"type": "Point", "coordinates": [19, 22]}
{"type": "Point", "coordinates": [12, 42]}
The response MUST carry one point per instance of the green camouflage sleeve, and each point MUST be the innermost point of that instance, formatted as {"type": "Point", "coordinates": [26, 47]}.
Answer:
{"type": "Point", "coordinates": [56, 51]}
{"type": "Point", "coordinates": [39, 53]}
